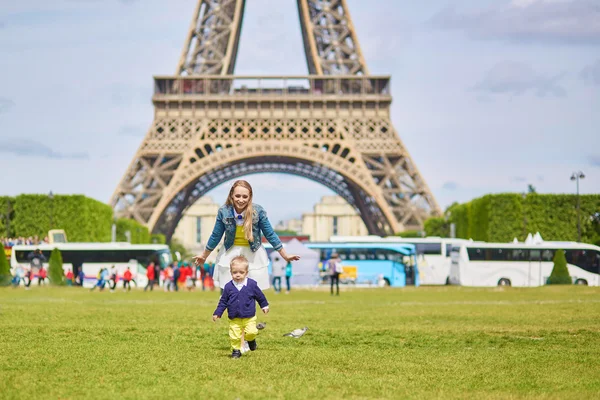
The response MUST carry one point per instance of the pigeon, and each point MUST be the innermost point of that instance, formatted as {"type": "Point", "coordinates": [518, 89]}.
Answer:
{"type": "Point", "coordinates": [297, 333]}
{"type": "Point", "coordinates": [261, 325]}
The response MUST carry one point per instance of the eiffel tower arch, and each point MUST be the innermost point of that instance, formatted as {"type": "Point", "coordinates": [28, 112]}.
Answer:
{"type": "Point", "coordinates": [332, 126]}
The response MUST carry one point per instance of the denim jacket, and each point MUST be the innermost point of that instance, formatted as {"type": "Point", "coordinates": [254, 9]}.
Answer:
{"type": "Point", "coordinates": [226, 224]}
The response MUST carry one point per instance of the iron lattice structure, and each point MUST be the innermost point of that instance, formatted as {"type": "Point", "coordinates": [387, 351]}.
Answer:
{"type": "Point", "coordinates": [332, 126]}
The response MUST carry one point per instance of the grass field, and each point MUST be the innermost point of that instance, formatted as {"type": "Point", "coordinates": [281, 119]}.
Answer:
{"type": "Point", "coordinates": [442, 342]}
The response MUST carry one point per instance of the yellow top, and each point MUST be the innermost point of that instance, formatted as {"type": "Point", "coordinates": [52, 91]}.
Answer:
{"type": "Point", "coordinates": [240, 237]}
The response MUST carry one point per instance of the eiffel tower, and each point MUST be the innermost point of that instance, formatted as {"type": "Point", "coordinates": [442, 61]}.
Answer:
{"type": "Point", "coordinates": [332, 126]}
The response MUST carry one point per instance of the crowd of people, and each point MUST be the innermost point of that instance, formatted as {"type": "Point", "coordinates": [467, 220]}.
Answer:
{"type": "Point", "coordinates": [31, 240]}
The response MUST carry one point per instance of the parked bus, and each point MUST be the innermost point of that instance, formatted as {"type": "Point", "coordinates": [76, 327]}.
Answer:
{"type": "Point", "coordinates": [433, 254]}
{"type": "Point", "coordinates": [91, 257]}
{"type": "Point", "coordinates": [520, 264]}
{"type": "Point", "coordinates": [368, 263]}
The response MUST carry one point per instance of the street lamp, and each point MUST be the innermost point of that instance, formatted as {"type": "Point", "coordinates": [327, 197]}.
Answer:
{"type": "Point", "coordinates": [51, 197]}
{"type": "Point", "coordinates": [576, 176]}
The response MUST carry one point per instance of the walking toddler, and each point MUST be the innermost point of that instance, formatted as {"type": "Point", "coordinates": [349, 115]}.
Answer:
{"type": "Point", "coordinates": [239, 298]}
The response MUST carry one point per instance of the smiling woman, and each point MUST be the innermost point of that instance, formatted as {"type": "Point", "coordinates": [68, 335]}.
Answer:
{"type": "Point", "coordinates": [242, 222]}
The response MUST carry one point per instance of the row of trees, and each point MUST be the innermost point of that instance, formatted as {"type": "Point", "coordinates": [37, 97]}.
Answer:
{"type": "Point", "coordinates": [83, 219]}
{"type": "Point", "coordinates": [503, 217]}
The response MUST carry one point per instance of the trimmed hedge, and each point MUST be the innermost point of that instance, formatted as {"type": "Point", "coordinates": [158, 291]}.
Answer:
{"type": "Point", "coordinates": [4, 202]}
{"type": "Point", "coordinates": [560, 272]}
{"type": "Point", "coordinates": [158, 238]}
{"type": "Point", "coordinates": [437, 226]}
{"type": "Point", "coordinates": [83, 219]}
{"type": "Point", "coordinates": [139, 233]}
{"type": "Point", "coordinates": [502, 217]}
{"type": "Point", "coordinates": [55, 268]}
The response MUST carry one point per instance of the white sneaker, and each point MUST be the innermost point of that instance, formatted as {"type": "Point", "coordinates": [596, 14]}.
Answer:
{"type": "Point", "coordinates": [245, 347]}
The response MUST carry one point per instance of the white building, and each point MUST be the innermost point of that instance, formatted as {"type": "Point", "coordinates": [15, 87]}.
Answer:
{"type": "Point", "coordinates": [197, 224]}
{"type": "Point", "coordinates": [333, 216]}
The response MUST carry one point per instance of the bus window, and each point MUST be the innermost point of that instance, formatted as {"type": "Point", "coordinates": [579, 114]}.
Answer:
{"type": "Point", "coordinates": [499, 254]}
{"type": "Point", "coordinates": [520, 255]}
{"type": "Point", "coordinates": [535, 255]}
{"type": "Point", "coordinates": [449, 250]}
{"type": "Point", "coordinates": [547, 255]}
{"type": "Point", "coordinates": [476, 254]}
{"type": "Point", "coordinates": [429, 248]}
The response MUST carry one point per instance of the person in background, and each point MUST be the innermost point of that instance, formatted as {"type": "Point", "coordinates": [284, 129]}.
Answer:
{"type": "Point", "coordinates": [28, 278]}
{"type": "Point", "coordinates": [334, 266]}
{"type": "Point", "coordinates": [36, 259]}
{"type": "Point", "coordinates": [42, 276]}
{"type": "Point", "coordinates": [19, 275]}
{"type": "Point", "coordinates": [69, 276]}
{"type": "Point", "coordinates": [80, 277]}
{"type": "Point", "coordinates": [175, 278]}
{"type": "Point", "coordinates": [150, 274]}
{"type": "Point", "coordinates": [278, 270]}
{"type": "Point", "coordinates": [101, 280]}
{"type": "Point", "coordinates": [127, 277]}
{"type": "Point", "coordinates": [288, 277]}
{"type": "Point", "coordinates": [113, 278]}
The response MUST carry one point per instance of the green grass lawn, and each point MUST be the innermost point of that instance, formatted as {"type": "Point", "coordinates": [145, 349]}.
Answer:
{"type": "Point", "coordinates": [444, 342]}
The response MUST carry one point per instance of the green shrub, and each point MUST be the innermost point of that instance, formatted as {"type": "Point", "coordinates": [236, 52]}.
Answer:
{"type": "Point", "coordinates": [5, 276]}
{"type": "Point", "coordinates": [437, 226]}
{"type": "Point", "coordinates": [139, 233]}
{"type": "Point", "coordinates": [55, 269]}
{"type": "Point", "coordinates": [158, 238]}
{"type": "Point", "coordinates": [560, 273]}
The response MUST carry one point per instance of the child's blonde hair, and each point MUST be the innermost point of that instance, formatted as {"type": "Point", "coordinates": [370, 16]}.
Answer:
{"type": "Point", "coordinates": [239, 260]}
{"type": "Point", "coordinates": [249, 209]}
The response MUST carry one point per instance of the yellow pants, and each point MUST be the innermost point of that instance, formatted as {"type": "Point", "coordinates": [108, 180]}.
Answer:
{"type": "Point", "coordinates": [239, 325]}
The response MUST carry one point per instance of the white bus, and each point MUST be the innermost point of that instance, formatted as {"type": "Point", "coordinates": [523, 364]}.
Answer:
{"type": "Point", "coordinates": [520, 264]}
{"type": "Point", "coordinates": [433, 254]}
{"type": "Point", "coordinates": [91, 257]}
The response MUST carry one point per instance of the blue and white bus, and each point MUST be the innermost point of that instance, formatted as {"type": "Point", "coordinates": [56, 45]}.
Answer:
{"type": "Point", "coordinates": [433, 254]}
{"type": "Point", "coordinates": [369, 263]}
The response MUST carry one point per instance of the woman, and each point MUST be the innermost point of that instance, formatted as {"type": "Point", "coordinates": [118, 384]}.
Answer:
{"type": "Point", "coordinates": [242, 222]}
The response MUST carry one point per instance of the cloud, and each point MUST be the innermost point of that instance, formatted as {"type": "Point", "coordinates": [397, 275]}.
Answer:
{"type": "Point", "coordinates": [537, 21]}
{"type": "Point", "coordinates": [518, 179]}
{"type": "Point", "coordinates": [132, 130]}
{"type": "Point", "coordinates": [594, 160]}
{"type": "Point", "coordinates": [540, 178]}
{"type": "Point", "coordinates": [450, 186]}
{"type": "Point", "coordinates": [591, 74]}
{"type": "Point", "coordinates": [516, 79]}
{"type": "Point", "coordinates": [5, 104]}
{"type": "Point", "coordinates": [30, 148]}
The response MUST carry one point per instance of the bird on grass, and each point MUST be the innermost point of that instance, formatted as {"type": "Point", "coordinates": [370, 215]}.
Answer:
{"type": "Point", "coordinates": [261, 325]}
{"type": "Point", "coordinates": [297, 333]}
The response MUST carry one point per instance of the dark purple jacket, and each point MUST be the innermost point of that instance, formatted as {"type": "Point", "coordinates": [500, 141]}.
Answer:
{"type": "Point", "coordinates": [241, 303]}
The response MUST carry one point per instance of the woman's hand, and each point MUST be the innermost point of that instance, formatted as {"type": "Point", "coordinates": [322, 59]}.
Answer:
{"type": "Point", "coordinates": [199, 260]}
{"type": "Point", "coordinates": [287, 258]}
{"type": "Point", "coordinates": [291, 258]}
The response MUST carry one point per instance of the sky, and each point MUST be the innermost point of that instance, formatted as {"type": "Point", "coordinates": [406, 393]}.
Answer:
{"type": "Point", "coordinates": [488, 96]}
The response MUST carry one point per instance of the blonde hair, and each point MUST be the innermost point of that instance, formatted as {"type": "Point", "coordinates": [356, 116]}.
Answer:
{"type": "Point", "coordinates": [249, 209]}
{"type": "Point", "coordinates": [239, 260]}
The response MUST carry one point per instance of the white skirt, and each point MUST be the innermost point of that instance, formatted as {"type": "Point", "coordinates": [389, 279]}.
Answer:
{"type": "Point", "coordinates": [258, 268]}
